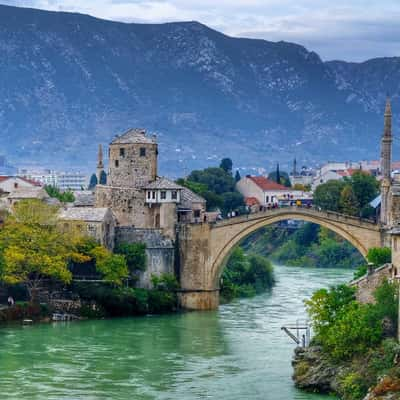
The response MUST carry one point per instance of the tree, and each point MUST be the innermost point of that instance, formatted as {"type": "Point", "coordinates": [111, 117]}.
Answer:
{"type": "Point", "coordinates": [379, 255]}
{"type": "Point", "coordinates": [135, 254]}
{"type": "Point", "coordinates": [348, 202]}
{"type": "Point", "coordinates": [64, 197]}
{"type": "Point", "coordinates": [365, 187]}
{"type": "Point", "coordinates": [283, 178]}
{"type": "Point", "coordinates": [232, 201]}
{"type": "Point", "coordinates": [237, 176]}
{"type": "Point", "coordinates": [112, 267]}
{"type": "Point", "coordinates": [327, 195]}
{"type": "Point", "coordinates": [32, 247]}
{"type": "Point", "coordinates": [93, 182]}
{"type": "Point", "coordinates": [103, 178]}
{"type": "Point", "coordinates": [226, 165]}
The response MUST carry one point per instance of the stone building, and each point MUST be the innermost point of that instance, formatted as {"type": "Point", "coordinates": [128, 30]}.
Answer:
{"type": "Point", "coordinates": [98, 223]}
{"type": "Point", "coordinates": [138, 197]}
{"type": "Point", "coordinates": [147, 208]}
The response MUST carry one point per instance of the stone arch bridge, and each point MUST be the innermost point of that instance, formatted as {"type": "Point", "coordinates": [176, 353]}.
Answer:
{"type": "Point", "coordinates": [204, 248]}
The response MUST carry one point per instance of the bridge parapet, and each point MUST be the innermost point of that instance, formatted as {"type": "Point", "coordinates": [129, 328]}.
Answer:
{"type": "Point", "coordinates": [299, 211]}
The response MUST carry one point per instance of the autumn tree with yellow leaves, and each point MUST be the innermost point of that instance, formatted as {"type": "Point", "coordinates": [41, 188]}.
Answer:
{"type": "Point", "coordinates": [33, 248]}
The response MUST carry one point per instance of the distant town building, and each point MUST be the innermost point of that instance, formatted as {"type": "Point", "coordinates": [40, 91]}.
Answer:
{"type": "Point", "coordinates": [71, 181]}
{"type": "Point", "coordinates": [267, 192]}
{"type": "Point", "coordinates": [303, 177]}
{"type": "Point", "coordinates": [11, 183]}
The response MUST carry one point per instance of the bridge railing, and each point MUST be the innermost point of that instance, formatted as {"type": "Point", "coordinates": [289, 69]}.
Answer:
{"type": "Point", "coordinates": [312, 211]}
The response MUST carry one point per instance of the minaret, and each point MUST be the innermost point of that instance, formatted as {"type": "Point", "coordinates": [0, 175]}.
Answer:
{"type": "Point", "coordinates": [386, 163]}
{"type": "Point", "coordinates": [295, 167]}
{"type": "Point", "coordinates": [100, 164]}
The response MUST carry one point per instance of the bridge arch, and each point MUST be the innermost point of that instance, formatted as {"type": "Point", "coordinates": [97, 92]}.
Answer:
{"type": "Point", "coordinates": [204, 247]}
{"type": "Point", "coordinates": [225, 236]}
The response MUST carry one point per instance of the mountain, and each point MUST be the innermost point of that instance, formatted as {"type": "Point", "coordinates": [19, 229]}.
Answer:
{"type": "Point", "coordinates": [71, 81]}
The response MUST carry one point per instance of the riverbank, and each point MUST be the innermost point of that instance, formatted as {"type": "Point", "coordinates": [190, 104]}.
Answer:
{"type": "Point", "coordinates": [372, 376]}
{"type": "Point", "coordinates": [354, 353]}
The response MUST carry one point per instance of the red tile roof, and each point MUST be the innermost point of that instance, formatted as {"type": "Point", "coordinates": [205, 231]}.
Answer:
{"type": "Point", "coordinates": [31, 181]}
{"type": "Point", "coordinates": [266, 184]}
{"type": "Point", "coordinates": [3, 178]}
{"type": "Point", "coordinates": [251, 201]}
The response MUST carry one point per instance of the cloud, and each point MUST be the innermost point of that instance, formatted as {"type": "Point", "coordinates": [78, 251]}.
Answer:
{"type": "Point", "coordinates": [352, 30]}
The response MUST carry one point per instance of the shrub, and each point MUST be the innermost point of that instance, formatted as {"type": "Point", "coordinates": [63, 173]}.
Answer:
{"type": "Point", "coordinates": [135, 254]}
{"type": "Point", "coordinates": [353, 387]}
{"type": "Point", "coordinates": [165, 282]}
{"type": "Point", "coordinates": [379, 255]}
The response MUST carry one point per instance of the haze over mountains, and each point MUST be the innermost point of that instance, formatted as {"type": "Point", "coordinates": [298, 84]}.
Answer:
{"type": "Point", "coordinates": [70, 81]}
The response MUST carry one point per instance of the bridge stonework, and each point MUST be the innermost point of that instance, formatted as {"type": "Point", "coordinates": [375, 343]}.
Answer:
{"type": "Point", "coordinates": [204, 248]}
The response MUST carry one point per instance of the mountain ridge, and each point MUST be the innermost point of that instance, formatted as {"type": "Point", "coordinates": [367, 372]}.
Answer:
{"type": "Point", "coordinates": [71, 81]}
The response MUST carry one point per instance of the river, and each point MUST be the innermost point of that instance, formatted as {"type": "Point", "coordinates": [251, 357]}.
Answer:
{"type": "Point", "coordinates": [238, 352]}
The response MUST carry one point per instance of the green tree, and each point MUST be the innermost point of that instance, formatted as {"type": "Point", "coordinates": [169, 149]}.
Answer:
{"type": "Point", "coordinates": [93, 182]}
{"type": "Point", "coordinates": [283, 178]}
{"type": "Point", "coordinates": [113, 267]}
{"type": "Point", "coordinates": [237, 176]}
{"type": "Point", "coordinates": [135, 254]}
{"type": "Point", "coordinates": [348, 202]}
{"type": "Point", "coordinates": [379, 255]}
{"type": "Point", "coordinates": [232, 201]}
{"type": "Point", "coordinates": [365, 187]}
{"type": "Point", "coordinates": [103, 178]}
{"type": "Point", "coordinates": [226, 165]}
{"type": "Point", "coordinates": [64, 197]}
{"type": "Point", "coordinates": [327, 195]}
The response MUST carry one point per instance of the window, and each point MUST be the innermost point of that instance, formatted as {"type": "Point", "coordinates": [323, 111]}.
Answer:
{"type": "Point", "coordinates": [174, 195]}
{"type": "Point", "coordinates": [143, 152]}
{"type": "Point", "coordinates": [15, 185]}
{"type": "Point", "coordinates": [266, 199]}
{"type": "Point", "coordinates": [197, 213]}
{"type": "Point", "coordinates": [149, 195]}
{"type": "Point", "coordinates": [122, 152]}
{"type": "Point", "coordinates": [154, 195]}
{"type": "Point", "coordinates": [163, 195]}
{"type": "Point", "coordinates": [116, 163]}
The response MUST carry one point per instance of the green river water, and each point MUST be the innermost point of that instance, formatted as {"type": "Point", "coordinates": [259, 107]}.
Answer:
{"type": "Point", "coordinates": [238, 352]}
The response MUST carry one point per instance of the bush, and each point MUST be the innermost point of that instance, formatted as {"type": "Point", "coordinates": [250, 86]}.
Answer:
{"type": "Point", "coordinates": [353, 387]}
{"type": "Point", "coordinates": [135, 254]}
{"type": "Point", "coordinates": [379, 255]}
{"type": "Point", "coordinates": [245, 276]}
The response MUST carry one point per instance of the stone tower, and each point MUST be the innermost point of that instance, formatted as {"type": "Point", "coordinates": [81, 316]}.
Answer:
{"type": "Point", "coordinates": [133, 159]}
{"type": "Point", "coordinates": [132, 166]}
{"type": "Point", "coordinates": [386, 164]}
{"type": "Point", "coordinates": [100, 163]}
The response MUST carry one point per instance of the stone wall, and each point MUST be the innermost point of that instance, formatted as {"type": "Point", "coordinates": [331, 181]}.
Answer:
{"type": "Point", "coordinates": [367, 285]}
{"type": "Point", "coordinates": [160, 251]}
{"type": "Point", "coordinates": [127, 204]}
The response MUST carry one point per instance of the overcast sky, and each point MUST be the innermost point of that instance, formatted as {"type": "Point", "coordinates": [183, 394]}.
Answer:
{"type": "Point", "coordinates": [353, 30]}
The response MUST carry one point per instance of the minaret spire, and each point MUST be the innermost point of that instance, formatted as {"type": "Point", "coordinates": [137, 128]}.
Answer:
{"type": "Point", "coordinates": [386, 163]}
{"type": "Point", "coordinates": [100, 163]}
{"type": "Point", "coordinates": [387, 139]}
